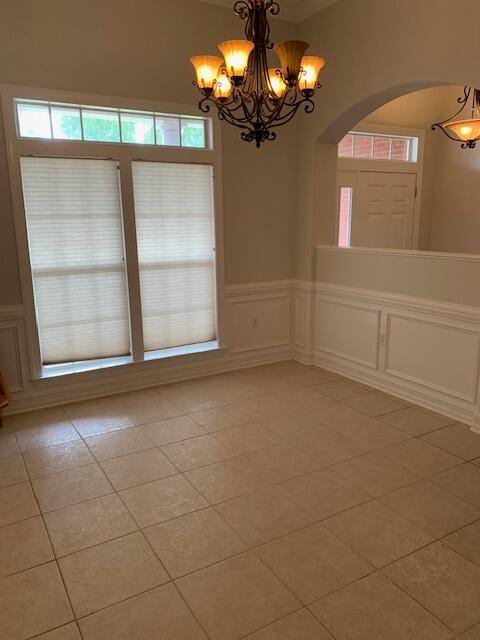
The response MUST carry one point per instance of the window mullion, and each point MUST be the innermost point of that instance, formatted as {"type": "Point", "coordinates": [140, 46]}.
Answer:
{"type": "Point", "coordinates": [131, 257]}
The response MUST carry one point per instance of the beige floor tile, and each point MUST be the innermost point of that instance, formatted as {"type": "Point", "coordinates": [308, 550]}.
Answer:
{"type": "Point", "coordinates": [463, 481]}
{"type": "Point", "coordinates": [145, 406]}
{"type": "Point", "coordinates": [90, 408]}
{"type": "Point", "coordinates": [71, 487]}
{"type": "Point", "coordinates": [196, 452]}
{"type": "Point", "coordinates": [89, 523]}
{"type": "Point", "coordinates": [173, 430]}
{"type": "Point", "coordinates": [245, 438]}
{"type": "Point", "coordinates": [100, 424]}
{"type": "Point", "coordinates": [263, 515]}
{"type": "Point", "coordinates": [12, 470]}
{"type": "Point", "coordinates": [162, 500]}
{"type": "Point", "coordinates": [68, 632]}
{"type": "Point", "coordinates": [119, 443]}
{"type": "Point", "coordinates": [420, 457]}
{"type": "Point", "coordinates": [160, 613]}
{"type": "Point", "coordinates": [376, 403]}
{"type": "Point", "coordinates": [375, 474]}
{"type": "Point", "coordinates": [471, 634]}
{"type": "Point", "coordinates": [466, 541]}
{"type": "Point", "coordinates": [282, 461]}
{"type": "Point", "coordinates": [442, 581]}
{"type": "Point", "coordinates": [337, 414]}
{"type": "Point", "coordinates": [17, 502]}
{"type": "Point", "coordinates": [378, 533]}
{"type": "Point", "coordinates": [235, 597]}
{"type": "Point", "coordinates": [416, 421]}
{"type": "Point", "coordinates": [8, 444]}
{"type": "Point", "coordinates": [458, 440]}
{"type": "Point", "coordinates": [225, 480]}
{"type": "Point", "coordinates": [193, 542]}
{"type": "Point", "coordinates": [300, 625]}
{"type": "Point", "coordinates": [51, 417]}
{"type": "Point", "coordinates": [226, 417]}
{"type": "Point", "coordinates": [110, 572]}
{"type": "Point", "coordinates": [138, 468]}
{"type": "Point", "coordinates": [294, 425]}
{"type": "Point", "coordinates": [476, 461]}
{"type": "Point", "coordinates": [324, 493]}
{"type": "Point", "coordinates": [40, 437]}
{"type": "Point", "coordinates": [372, 434]}
{"type": "Point", "coordinates": [341, 389]}
{"type": "Point", "coordinates": [23, 545]}
{"type": "Point", "coordinates": [375, 609]}
{"type": "Point", "coordinates": [33, 602]}
{"type": "Point", "coordinates": [43, 462]}
{"type": "Point", "coordinates": [432, 508]}
{"type": "Point", "coordinates": [313, 562]}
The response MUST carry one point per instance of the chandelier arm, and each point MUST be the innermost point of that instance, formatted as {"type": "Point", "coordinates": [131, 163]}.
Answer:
{"type": "Point", "coordinates": [462, 101]}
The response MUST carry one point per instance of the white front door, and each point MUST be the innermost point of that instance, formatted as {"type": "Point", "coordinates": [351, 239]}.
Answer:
{"type": "Point", "coordinates": [383, 210]}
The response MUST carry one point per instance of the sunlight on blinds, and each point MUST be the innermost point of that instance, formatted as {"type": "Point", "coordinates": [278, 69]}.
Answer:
{"type": "Point", "coordinates": [174, 219]}
{"type": "Point", "coordinates": [75, 240]}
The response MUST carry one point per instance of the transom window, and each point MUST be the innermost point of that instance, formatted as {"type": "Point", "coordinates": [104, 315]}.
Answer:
{"type": "Point", "coordinates": [59, 121]}
{"type": "Point", "coordinates": [373, 146]}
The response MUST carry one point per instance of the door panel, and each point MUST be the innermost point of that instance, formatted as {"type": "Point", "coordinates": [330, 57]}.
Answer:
{"type": "Point", "coordinates": [384, 210]}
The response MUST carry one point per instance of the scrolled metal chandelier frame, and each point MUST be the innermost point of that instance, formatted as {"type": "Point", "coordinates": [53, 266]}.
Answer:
{"type": "Point", "coordinates": [245, 91]}
{"type": "Point", "coordinates": [465, 130]}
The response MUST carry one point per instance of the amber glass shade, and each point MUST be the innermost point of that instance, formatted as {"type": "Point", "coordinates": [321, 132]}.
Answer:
{"type": "Point", "coordinates": [206, 68]}
{"type": "Point", "coordinates": [311, 67]}
{"type": "Point", "coordinates": [465, 129]}
{"type": "Point", "coordinates": [276, 82]}
{"type": "Point", "coordinates": [290, 54]}
{"type": "Point", "coordinates": [223, 86]}
{"type": "Point", "coordinates": [236, 54]}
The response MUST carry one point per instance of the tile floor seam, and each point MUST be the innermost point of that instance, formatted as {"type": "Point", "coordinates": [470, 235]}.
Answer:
{"type": "Point", "coordinates": [55, 559]}
{"type": "Point", "coordinates": [404, 590]}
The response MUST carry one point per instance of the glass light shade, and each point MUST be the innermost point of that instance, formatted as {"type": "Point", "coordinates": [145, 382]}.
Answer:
{"type": "Point", "coordinates": [465, 129]}
{"type": "Point", "coordinates": [223, 86]}
{"type": "Point", "coordinates": [311, 67]}
{"type": "Point", "coordinates": [236, 54]}
{"type": "Point", "coordinates": [290, 54]}
{"type": "Point", "coordinates": [277, 83]}
{"type": "Point", "coordinates": [206, 68]}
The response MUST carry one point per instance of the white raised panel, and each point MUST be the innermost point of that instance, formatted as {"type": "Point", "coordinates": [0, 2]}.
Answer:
{"type": "Point", "coordinates": [10, 356]}
{"type": "Point", "coordinates": [440, 356]}
{"type": "Point", "coordinates": [259, 323]}
{"type": "Point", "coordinates": [348, 331]}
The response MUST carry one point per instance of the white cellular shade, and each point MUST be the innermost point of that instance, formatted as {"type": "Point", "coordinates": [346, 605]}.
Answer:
{"type": "Point", "coordinates": [174, 220]}
{"type": "Point", "coordinates": [75, 237]}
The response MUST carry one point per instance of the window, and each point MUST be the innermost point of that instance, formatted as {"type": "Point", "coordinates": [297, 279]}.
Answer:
{"type": "Point", "coordinates": [370, 146]}
{"type": "Point", "coordinates": [174, 219]}
{"type": "Point", "coordinates": [345, 216]}
{"type": "Point", "coordinates": [75, 238]}
{"type": "Point", "coordinates": [122, 250]}
{"type": "Point", "coordinates": [57, 121]}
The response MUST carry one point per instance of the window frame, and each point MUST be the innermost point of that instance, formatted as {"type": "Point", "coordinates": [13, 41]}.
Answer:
{"type": "Point", "coordinates": [123, 154]}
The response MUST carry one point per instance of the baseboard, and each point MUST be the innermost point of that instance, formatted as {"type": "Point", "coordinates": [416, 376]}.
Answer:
{"type": "Point", "coordinates": [409, 393]}
{"type": "Point", "coordinates": [118, 380]}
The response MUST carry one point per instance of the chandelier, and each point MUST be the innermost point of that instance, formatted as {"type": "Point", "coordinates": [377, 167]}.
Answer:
{"type": "Point", "coordinates": [244, 90]}
{"type": "Point", "coordinates": [464, 129]}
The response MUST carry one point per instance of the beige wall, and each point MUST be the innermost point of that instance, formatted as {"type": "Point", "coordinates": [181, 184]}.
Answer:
{"type": "Point", "coordinates": [141, 49]}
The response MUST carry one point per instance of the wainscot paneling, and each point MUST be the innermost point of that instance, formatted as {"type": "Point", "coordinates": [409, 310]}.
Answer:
{"type": "Point", "coordinates": [423, 351]}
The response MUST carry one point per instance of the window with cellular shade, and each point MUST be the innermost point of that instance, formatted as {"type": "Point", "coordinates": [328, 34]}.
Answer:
{"type": "Point", "coordinates": [174, 221]}
{"type": "Point", "coordinates": [75, 238]}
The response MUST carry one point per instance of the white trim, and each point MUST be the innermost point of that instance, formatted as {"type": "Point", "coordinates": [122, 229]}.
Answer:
{"type": "Point", "coordinates": [124, 154]}
{"type": "Point", "coordinates": [414, 253]}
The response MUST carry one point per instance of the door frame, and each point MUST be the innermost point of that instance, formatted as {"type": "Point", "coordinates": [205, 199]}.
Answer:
{"type": "Point", "coordinates": [354, 166]}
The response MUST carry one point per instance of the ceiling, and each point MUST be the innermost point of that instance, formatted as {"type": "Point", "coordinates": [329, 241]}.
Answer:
{"type": "Point", "coordinates": [293, 10]}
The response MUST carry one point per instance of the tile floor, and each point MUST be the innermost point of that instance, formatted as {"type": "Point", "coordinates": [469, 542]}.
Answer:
{"type": "Point", "coordinates": [276, 503]}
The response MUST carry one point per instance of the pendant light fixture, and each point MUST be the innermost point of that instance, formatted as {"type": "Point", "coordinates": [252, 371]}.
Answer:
{"type": "Point", "coordinates": [244, 90]}
{"type": "Point", "coordinates": [465, 130]}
